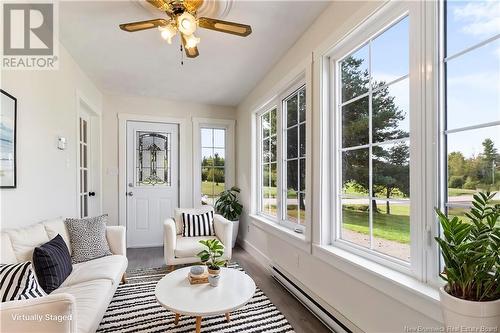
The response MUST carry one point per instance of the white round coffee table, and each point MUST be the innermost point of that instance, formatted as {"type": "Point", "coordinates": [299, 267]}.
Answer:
{"type": "Point", "coordinates": [175, 293]}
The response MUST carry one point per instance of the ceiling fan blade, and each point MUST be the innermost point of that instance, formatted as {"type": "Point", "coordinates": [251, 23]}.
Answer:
{"type": "Point", "coordinates": [238, 29]}
{"type": "Point", "coordinates": [192, 5]}
{"type": "Point", "coordinates": [143, 25]}
{"type": "Point", "coordinates": [190, 52]}
{"type": "Point", "coordinates": [160, 4]}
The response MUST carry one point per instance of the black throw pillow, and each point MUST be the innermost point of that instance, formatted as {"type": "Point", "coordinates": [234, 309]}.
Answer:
{"type": "Point", "coordinates": [52, 263]}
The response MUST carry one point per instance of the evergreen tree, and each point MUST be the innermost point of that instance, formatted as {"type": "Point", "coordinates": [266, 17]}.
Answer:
{"type": "Point", "coordinates": [391, 166]}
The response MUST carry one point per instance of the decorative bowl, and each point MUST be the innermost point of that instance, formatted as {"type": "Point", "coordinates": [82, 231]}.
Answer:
{"type": "Point", "coordinates": [197, 270]}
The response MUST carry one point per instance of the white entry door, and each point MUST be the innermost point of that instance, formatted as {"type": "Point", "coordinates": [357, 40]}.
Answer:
{"type": "Point", "coordinates": [152, 181]}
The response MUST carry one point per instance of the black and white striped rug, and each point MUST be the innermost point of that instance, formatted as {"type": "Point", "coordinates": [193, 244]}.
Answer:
{"type": "Point", "coordinates": [134, 309]}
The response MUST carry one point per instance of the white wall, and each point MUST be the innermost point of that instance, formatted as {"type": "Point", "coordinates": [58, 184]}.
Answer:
{"type": "Point", "coordinates": [46, 109]}
{"type": "Point", "coordinates": [116, 104]}
{"type": "Point", "coordinates": [363, 305]}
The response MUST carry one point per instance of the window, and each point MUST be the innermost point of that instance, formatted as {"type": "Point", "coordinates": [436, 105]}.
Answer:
{"type": "Point", "coordinates": [153, 159]}
{"type": "Point", "coordinates": [294, 122]}
{"type": "Point", "coordinates": [372, 111]}
{"type": "Point", "coordinates": [213, 151]}
{"type": "Point", "coordinates": [470, 126]}
{"type": "Point", "coordinates": [282, 158]}
{"type": "Point", "coordinates": [213, 156]}
{"type": "Point", "coordinates": [269, 163]}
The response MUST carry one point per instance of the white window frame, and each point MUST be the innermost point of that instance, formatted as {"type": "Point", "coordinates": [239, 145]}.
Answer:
{"type": "Point", "coordinates": [444, 203]}
{"type": "Point", "coordinates": [389, 14]}
{"type": "Point", "coordinates": [284, 159]}
{"type": "Point", "coordinates": [277, 103]}
{"type": "Point", "coordinates": [229, 163]}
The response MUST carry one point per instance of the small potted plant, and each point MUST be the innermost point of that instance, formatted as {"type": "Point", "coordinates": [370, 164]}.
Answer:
{"type": "Point", "coordinates": [229, 206]}
{"type": "Point", "coordinates": [211, 257]}
{"type": "Point", "coordinates": [471, 253]}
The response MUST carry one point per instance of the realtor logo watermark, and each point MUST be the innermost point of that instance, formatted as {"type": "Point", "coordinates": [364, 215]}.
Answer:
{"type": "Point", "coordinates": [29, 36]}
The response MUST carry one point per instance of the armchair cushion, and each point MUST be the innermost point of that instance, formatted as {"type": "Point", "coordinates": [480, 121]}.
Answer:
{"type": "Point", "coordinates": [190, 246]}
{"type": "Point", "coordinates": [61, 306]}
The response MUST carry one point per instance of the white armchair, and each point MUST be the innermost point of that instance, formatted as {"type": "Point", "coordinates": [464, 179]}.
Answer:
{"type": "Point", "coordinates": [182, 250]}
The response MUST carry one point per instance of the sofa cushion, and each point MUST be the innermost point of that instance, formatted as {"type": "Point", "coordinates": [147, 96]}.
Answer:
{"type": "Point", "coordinates": [18, 282]}
{"type": "Point", "coordinates": [52, 263]}
{"type": "Point", "coordinates": [188, 247]}
{"type": "Point", "coordinates": [109, 268]}
{"type": "Point", "coordinates": [7, 255]}
{"type": "Point", "coordinates": [92, 299]}
{"type": "Point", "coordinates": [88, 238]}
{"type": "Point", "coordinates": [179, 211]}
{"type": "Point", "coordinates": [24, 240]}
{"type": "Point", "coordinates": [195, 225]}
{"type": "Point", "coordinates": [56, 226]}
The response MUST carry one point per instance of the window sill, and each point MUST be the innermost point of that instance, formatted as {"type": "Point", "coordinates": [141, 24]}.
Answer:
{"type": "Point", "coordinates": [406, 289]}
{"type": "Point", "coordinates": [282, 232]}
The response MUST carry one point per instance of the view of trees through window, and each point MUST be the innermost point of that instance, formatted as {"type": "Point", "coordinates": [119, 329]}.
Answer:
{"type": "Point", "coordinates": [212, 164]}
{"type": "Point", "coordinates": [269, 162]}
{"type": "Point", "coordinates": [374, 148]}
{"type": "Point", "coordinates": [295, 156]}
{"type": "Point", "coordinates": [472, 126]}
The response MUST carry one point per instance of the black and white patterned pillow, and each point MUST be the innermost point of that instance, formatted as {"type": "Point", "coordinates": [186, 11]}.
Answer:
{"type": "Point", "coordinates": [87, 238]}
{"type": "Point", "coordinates": [198, 224]}
{"type": "Point", "coordinates": [18, 281]}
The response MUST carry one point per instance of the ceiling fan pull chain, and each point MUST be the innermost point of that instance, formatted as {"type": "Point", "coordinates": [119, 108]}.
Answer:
{"type": "Point", "coordinates": [182, 56]}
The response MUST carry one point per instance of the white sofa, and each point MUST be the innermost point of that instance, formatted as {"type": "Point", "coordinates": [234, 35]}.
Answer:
{"type": "Point", "coordinates": [182, 250]}
{"type": "Point", "coordinates": [79, 304]}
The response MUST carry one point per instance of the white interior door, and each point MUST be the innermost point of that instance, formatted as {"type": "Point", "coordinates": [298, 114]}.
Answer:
{"type": "Point", "coordinates": [89, 164]}
{"type": "Point", "coordinates": [152, 181]}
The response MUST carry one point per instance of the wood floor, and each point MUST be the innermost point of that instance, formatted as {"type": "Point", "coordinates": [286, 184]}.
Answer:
{"type": "Point", "coordinates": [299, 317]}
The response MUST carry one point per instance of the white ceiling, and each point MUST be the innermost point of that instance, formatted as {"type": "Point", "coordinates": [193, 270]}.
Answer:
{"type": "Point", "coordinates": [142, 63]}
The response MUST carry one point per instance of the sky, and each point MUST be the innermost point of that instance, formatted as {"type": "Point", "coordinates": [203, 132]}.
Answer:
{"type": "Point", "coordinates": [473, 78]}
{"type": "Point", "coordinates": [210, 139]}
{"type": "Point", "coordinates": [473, 82]}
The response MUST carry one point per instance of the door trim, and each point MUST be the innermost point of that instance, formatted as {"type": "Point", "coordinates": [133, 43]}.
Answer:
{"type": "Point", "coordinates": [184, 198]}
{"type": "Point", "coordinates": [96, 116]}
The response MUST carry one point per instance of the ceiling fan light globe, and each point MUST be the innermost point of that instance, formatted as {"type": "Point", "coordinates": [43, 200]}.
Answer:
{"type": "Point", "coordinates": [167, 33]}
{"type": "Point", "coordinates": [192, 41]}
{"type": "Point", "coordinates": [186, 23]}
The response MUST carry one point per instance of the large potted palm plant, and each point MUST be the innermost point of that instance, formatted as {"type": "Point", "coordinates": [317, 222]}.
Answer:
{"type": "Point", "coordinates": [471, 253]}
{"type": "Point", "coordinates": [229, 206]}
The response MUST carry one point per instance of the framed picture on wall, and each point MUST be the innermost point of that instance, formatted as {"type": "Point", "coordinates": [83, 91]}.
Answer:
{"type": "Point", "coordinates": [8, 112]}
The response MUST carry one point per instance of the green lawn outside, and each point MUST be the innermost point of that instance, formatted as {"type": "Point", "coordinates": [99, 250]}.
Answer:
{"type": "Point", "coordinates": [292, 212]}
{"type": "Point", "coordinates": [206, 189]}
{"type": "Point", "coordinates": [453, 192]}
{"type": "Point", "coordinates": [395, 226]}
{"type": "Point", "coordinates": [271, 192]}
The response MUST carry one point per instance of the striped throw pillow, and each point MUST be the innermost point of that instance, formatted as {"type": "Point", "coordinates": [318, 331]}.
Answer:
{"type": "Point", "coordinates": [18, 281]}
{"type": "Point", "coordinates": [198, 225]}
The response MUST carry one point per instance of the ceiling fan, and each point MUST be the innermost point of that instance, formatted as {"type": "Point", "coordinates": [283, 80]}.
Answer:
{"type": "Point", "coordinates": [183, 19]}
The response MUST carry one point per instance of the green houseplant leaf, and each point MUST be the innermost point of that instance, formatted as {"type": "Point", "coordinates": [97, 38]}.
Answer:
{"type": "Point", "coordinates": [228, 204]}
{"type": "Point", "coordinates": [211, 255]}
{"type": "Point", "coordinates": [471, 251]}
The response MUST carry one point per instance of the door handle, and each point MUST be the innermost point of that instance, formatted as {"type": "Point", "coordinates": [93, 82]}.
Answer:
{"type": "Point", "coordinates": [130, 194]}
{"type": "Point", "coordinates": [91, 194]}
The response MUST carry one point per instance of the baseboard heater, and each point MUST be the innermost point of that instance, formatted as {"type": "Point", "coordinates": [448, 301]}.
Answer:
{"type": "Point", "coordinates": [326, 317]}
